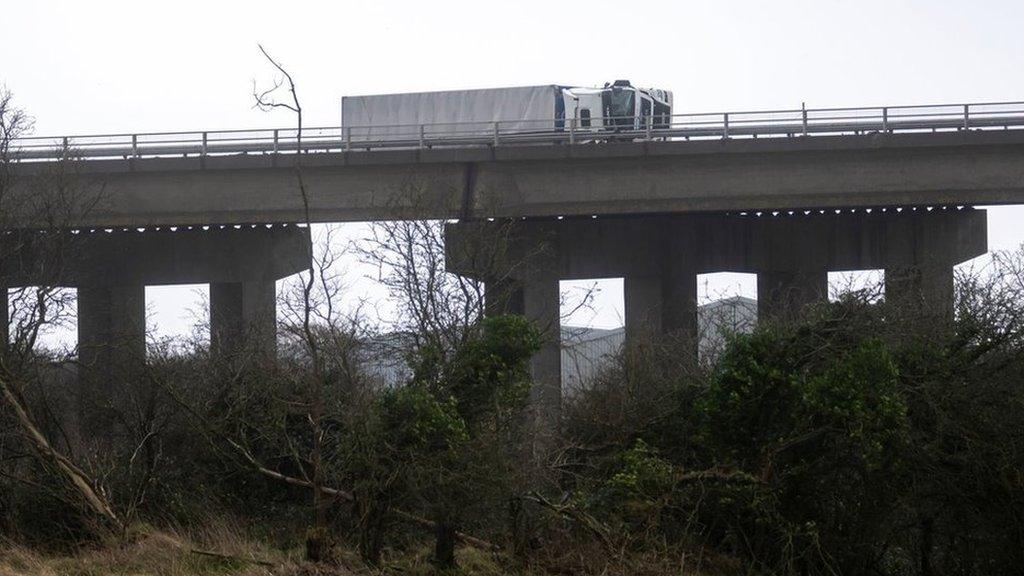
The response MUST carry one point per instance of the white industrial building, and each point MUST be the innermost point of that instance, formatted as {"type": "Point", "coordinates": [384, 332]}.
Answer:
{"type": "Point", "coordinates": [586, 351]}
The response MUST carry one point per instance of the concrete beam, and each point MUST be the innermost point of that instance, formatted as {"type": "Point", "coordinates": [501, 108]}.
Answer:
{"type": "Point", "coordinates": [627, 178]}
{"type": "Point", "coordinates": [243, 317]}
{"type": "Point", "coordinates": [633, 246]}
{"type": "Point", "coordinates": [157, 257]}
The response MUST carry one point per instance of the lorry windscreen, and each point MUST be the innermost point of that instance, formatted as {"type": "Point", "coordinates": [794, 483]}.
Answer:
{"type": "Point", "coordinates": [619, 105]}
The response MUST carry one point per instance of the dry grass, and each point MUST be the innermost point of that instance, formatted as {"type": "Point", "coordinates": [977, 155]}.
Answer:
{"type": "Point", "coordinates": [166, 553]}
{"type": "Point", "coordinates": [173, 553]}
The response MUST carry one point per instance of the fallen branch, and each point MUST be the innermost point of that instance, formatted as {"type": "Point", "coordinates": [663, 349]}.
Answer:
{"type": "Point", "coordinates": [348, 496]}
{"type": "Point", "coordinates": [212, 554]}
{"type": "Point", "coordinates": [570, 512]}
{"type": "Point", "coordinates": [78, 479]}
{"type": "Point", "coordinates": [207, 430]}
{"type": "Point", "coordinates": [717, 475]}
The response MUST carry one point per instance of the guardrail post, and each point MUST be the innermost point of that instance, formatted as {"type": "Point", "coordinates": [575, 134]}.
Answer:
{"type": "Point", "coordinates": [348, 138]}
{"type": "Point", "coordinates": [804, 114]}
{"type": "Point", "coordinates": [135, 145]}
{"type": "Point", "coordinates": [275, 141]}
{"type": "Point", "coordinates": [967, 116]}
{"type": "Point", "coordinates": [885, 119]}
{"type": "Point", "coordinates": [65, 144]}
{"type": "Point", "coordinates": [572, 131]}
{"type": "Point", "coordinates": [204, 144]}
{"type": "Point", "coordinates": [649, 126]}
{"type": "Point", "coordinates": [725, 125]}
{"type": "Point", "coordinates": [421, 135]}
{"type": "Point", "coordinates": [496, 134]}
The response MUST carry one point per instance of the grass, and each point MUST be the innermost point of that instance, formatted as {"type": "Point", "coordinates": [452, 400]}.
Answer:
{"type": "Point", "coordinates": [236, 553]}
{"type": "Point", "coordinates": [159, 553]}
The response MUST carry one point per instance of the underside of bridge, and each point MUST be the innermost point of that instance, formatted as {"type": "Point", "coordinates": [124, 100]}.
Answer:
{"type": "Point", "coordinates": [111, 269]}
{"type": "Point", "coordinates": [659, 258]}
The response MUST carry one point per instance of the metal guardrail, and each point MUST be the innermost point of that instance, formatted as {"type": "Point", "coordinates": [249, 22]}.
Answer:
{"type": "Point", "coordinates": [702, 126]}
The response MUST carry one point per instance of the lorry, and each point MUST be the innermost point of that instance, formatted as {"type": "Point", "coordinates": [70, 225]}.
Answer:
{"type": "Point", "coordinates": [615, 107]}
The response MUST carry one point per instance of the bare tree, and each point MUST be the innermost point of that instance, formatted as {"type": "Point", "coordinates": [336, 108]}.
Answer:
{"type": "Point", "coordinates": [266, 100]}
{"type": "Point", "coordinates": [436, 308]}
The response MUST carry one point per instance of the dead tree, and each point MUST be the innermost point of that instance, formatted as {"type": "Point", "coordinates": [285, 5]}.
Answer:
{"type": "Point", "coordinates": [317, 541]}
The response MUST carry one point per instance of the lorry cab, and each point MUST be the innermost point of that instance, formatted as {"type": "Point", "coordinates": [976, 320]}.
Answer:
{"type": "Point", "coordinates": [617, 106]}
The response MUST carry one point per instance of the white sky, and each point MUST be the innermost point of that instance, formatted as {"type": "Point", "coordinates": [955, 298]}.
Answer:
{"type": "Point", "coordinates": [94, 67]}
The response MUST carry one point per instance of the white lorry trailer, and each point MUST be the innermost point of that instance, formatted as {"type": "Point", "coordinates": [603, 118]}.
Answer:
{"type": "Point", "coordinates": [524, 109]}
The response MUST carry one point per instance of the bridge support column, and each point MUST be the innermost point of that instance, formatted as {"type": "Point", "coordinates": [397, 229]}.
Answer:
{"type": "Point", "coordinates": [540, 302]}
{"type": "Point", "coordinates": [643, 306]}
{"type": "Point", "coordinates": [664, 304]}
{"type": "Point", "coordinates": [503, 297]}
{"type": "Point", "coordinates": [924, 290]}
{"type": "Point", "coordinates": [785, 293]}
{"type": "Point", "coordinates": [243, 317]}
{"type": "Point", "coordinates": [5, 320]}
{"type": "Point", "coordinates": [538, 299]}
{"type": "Point", "coordinates": [919, 274]}
{"type": "Point", "coordinates": [111, 337]}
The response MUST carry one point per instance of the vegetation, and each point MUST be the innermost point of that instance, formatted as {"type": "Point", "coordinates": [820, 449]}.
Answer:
{"type": "Point", "coordinates": [855, 439]}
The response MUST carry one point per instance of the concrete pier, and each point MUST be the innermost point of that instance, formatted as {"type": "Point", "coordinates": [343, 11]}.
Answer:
{"type": "Point", "coordinates": [243, 317]}
{"type": "Point", "coordinates": [661, 304]}
{"type": "Point", "coordinates": [659, 258]}
{"type": "Point", "coordinates": [5, 319]}
{"type": "Point", "coordinates": [784, 293]}
{"type": "Point", "coordinates": [111, 333]}
{"type": "Point", "coordinates": [536, 297]}
{"type": "Point", "coordinates": [643, 299]}
{"type": "Point", "coordinates": [503, 297]}
{"type": "Point", "coordinates": [112, 269]}
{"type": "Point", "coordinates": [541, 304]}
{"type": "Point", "coordinates": [924, 291]}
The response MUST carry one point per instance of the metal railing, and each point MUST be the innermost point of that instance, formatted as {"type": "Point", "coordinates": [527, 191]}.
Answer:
{"type": "Point", "coordinates": [703, 126]}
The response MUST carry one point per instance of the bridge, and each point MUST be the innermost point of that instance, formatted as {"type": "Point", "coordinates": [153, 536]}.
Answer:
{"type": "Point", "coordinates": [733, 161]}
{"type": "Point", "coordinates": [786, 194]}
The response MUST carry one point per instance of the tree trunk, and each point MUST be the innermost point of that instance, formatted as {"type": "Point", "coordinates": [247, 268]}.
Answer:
{"type": "Point", "coordinates": [317, 547]}
{"type": "Point", "coordinates": [444, 548]}
{"type": "Point", "coordinates": [517, 522]}
{"type": "Point", "coordinates": [927, 543]}
{"type": "Point", "coordinates": [371, 532]}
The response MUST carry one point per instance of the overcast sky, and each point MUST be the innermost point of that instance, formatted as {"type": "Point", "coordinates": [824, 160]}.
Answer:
{"type": "Point", "coordinates": [84, 67]}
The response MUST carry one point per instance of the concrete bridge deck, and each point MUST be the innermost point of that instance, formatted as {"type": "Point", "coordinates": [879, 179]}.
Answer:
{"type": "Point", "coordinates": [969, 167]}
